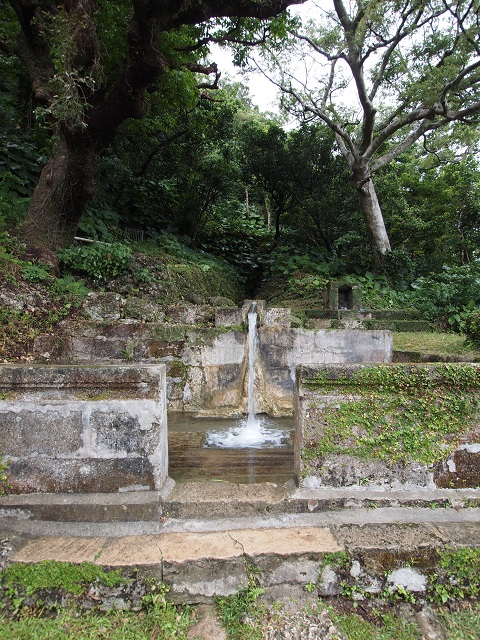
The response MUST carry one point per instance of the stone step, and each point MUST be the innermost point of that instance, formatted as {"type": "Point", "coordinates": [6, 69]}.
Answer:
{"type": "Point", "coordinates": [368, 549]}
{"type": "Point", "coordinates": [131, 506]}
{"type": "Point", "coordinates": [222, 499]}
{"type": "Point", "coordinates": [218, 499]}
{"type": "Point", "coordinates": [417, 356]}
{"type": "Point", "coordinates": [408, 326]}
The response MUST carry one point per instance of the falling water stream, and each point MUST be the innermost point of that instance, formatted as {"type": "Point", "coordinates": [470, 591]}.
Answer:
{"type": "Point", "coordinates": [254, 431]}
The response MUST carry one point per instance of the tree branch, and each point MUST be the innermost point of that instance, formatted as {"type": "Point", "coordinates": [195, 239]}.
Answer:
{"type": "Point", "coordinates": [200, 68]}
{"type": "Point", "coordinates": [228, 37]}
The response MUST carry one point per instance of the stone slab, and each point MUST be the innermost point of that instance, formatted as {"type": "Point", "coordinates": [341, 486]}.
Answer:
{"type": "Point", "coordinates": [385, 536]}
{"type": "Point", "coordinates": [460, 534]}
{"type": "Point", "coordinates": [183, 547]}
{"type": "Point", "coordinates": [83, 507]}
{"type": "Point", "coordinates": [61, 549]}
{"type": "Point", "coordinates": [131, 551]}
{"type": "Point", "coordinates": [286, 542]}
{"type": "Point", "coordinates": [201, 580]}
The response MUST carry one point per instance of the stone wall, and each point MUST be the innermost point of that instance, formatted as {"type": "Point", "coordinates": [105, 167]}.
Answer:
{"type": "Point", "coordinates": [207, 365]}
{"type": "Point", "coordinates": [282, 349]}
{"type": "Point", "coordinates": [84, 428]}
{"type": "Point", "coordinates": [393, 425]}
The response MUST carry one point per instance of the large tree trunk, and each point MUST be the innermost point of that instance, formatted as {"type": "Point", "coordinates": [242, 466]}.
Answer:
{"type": "Point", "coordinates": [372, 213]}
{"type": "Point", "coordinates": [59, 199]}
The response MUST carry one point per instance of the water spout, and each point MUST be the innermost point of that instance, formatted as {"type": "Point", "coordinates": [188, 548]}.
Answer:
{"type": "Point", "coordinates": [253, 432]}
{"type": "Point", "coordinates": [252, 354]}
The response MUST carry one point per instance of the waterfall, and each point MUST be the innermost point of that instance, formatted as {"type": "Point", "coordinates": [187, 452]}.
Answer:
{"type": "Point", "coordinates": [252, 352]}
{"type": "Point", "coordinates": [253, 431]}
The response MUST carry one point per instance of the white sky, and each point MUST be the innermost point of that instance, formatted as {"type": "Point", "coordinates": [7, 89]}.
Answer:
{"type": "Point", "coordinates": [264, 94]}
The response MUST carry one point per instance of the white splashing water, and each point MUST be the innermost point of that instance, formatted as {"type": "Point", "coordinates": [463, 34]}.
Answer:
{"type": "Point", "coordinates": [252, 431]}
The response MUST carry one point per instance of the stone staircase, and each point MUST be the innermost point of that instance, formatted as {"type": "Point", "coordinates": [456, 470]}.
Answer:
{"type": "Point", "coordinates": [204, 539]}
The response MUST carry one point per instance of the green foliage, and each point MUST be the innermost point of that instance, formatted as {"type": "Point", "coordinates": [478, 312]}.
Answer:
{"type": "Point", "coordinates": [101, 262]}
{"type": "Point", "coordinates": [338, 559]}
{"type": "Point", "coordinates": [457, 575]}
{"type": "Point", "coordinates": [35, 273]}
{"type": "Point", "coordinates": [162, 619]}
{"type": "Point", "coordinates": [377, 292]}
{"type": "Point", "coordinates": [434, 342]}
{"type": "Point", "coordinates": [72, 292]}
{"type": "Point", "coordinates": [402, 414]}
{"type": "Point", "coordinates": [235, 609]}
{"type": "Point", "coordinates": [50, 574]}
{"type": "Point", "coordinates": [389, 627]}
{"type": "Point", "coordinates": [100, 221]}
{"type": "Point", "coordinates": [462, 623]}
{"type": "Point", "coordinates": [170, 621]}
{"type": "Point", "coordinates": [472, 327]}
{"type": "Point", "coordinates": [449, 296]}
{"type": "Point", "coordinates": [20, 163]}
{"type": "Point", "coordinates": [17, 331]}
{"type": "Point", "coordinates": [4, 483]}
{"type": "Point", "coordinates": [20, 279]}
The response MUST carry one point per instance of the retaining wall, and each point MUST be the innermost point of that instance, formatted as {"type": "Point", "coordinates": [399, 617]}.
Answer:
{"type": "Point", "coordinates": [392, 425]}
{"type": "Point", "coordinates": [207, 366]}
{"type": "Point", "coordinates": [84, 428]}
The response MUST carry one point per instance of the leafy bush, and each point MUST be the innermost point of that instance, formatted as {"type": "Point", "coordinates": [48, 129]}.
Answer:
{"type": "Point", "coordinates": [35, 273]}
{"type": "Point", "coordinates": [449, 296]}
{"type": "Point", "coordinates": [472, 327]}
{"type": "Point", "coordinates": [101, 262]}
{"type": "Point", "coordinates": [100, 222]}
{"type": "Point", "coordinates": [20, 163]}
{"type": "Point", "coordinates": [72, 292]}
{"type": "Point", "coordinates": [13, 199]}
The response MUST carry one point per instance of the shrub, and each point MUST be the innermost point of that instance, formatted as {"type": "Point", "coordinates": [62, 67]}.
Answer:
{"type": "Point", "coordinates": [35, 273]}
{"type": "Point", "coordinates": [472, 327]}
{"type": "Point", "coordinates": [449, 296]}
{"type": "Point", "coordinates": [101, 262]}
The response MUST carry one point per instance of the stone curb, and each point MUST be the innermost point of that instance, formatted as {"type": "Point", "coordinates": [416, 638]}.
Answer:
{"type": "Point", "coordinates": [217, 500]}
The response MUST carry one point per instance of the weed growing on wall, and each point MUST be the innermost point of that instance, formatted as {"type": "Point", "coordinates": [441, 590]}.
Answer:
{"type": "Point", "coordinates": [4, 484]}
{"type": "Point", "coordinates": [457, 576]}
{"type": "Point", "coordinates": [394, 414]}
{"type": "Point", "coordinates": [236, 612]}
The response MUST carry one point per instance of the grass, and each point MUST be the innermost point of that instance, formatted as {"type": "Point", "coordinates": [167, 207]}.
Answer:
{"type": "Point", "coordinates": [116, 625]}
{"type": "Point", "coordinates": [463, 624]}
{"type": "Point", "coordinates": [242, 618]}
{"type": "Point", "coordinates": [449, 344]}
{"type": "Point", "coordinates": [392, 628]}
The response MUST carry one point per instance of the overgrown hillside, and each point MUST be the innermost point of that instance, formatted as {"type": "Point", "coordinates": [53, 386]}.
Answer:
{"type": "Point", "coordinates": [32, 300]}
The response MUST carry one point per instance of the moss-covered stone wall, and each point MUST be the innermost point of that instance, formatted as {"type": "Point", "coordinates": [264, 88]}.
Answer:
{"type": "Point", "coordinates": [398, 425]}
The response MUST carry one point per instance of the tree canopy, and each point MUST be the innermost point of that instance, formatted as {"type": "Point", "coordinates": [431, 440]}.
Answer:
{"type": "Point", "coordinates": [94, 140]}
{"type": "Point", "coordinates": [93, 66]}
{"type": "Point", "coordinates": [382, 76]}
